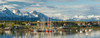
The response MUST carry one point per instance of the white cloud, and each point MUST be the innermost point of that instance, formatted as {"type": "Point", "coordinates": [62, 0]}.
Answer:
{"type": "Point", "coordinates": [36, 5]}
{"type": "Point", "coordinates": [55, 14]}
{"type": "Point", "coordinates": [96, 0]}
{"type": "Point", "coordinates": [1, 2]}
{"type": "Point", "coordinates": [26, 1]}
{"type": "Point", "coordinates": [10, 6]}
{"type": "Point", "coordinates": [20, 1]}
{"type": "Point", "coordinates": [63, 0]}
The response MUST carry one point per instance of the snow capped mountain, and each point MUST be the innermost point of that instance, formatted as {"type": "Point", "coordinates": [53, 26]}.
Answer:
{"type": "Point", "coordinates": [6, 12]}
{"type": "Point", "coordinates": [43, 17]}
{"type": "Point", "coordinates": [34, 13]}
{"type": "Point", "coordinates": [85, 18]}
{"type": "Point", "coordinates": [24, 14]}
{"type": "Point", "coordinates": [17, 12]}
{"type": "Point", "coordinates": [17, 15]}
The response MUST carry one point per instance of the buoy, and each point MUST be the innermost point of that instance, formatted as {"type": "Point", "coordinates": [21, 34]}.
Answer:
{"type": "Point", "coordinates": [46, 31]}
{"type": "Point", "coordinates": [31, 31]}
{"type": "Point", "coordinates": [50, 31]}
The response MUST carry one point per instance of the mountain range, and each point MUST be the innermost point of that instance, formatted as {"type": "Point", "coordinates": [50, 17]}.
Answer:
{"type": "Point", "coordinates": [85, 18]}
{"type": "Point", "coordinates": [16, 15]}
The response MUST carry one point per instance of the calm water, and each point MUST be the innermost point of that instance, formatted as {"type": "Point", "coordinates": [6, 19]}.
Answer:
{"type": "Point", "coordinates": [26, 34]}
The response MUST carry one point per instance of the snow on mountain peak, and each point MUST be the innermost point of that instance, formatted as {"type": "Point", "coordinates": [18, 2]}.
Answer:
{"type": "Point", "coordinates": [5, 8]}
{"type": "Point", "coordinates": [16, 11]}
{"type": "Point", "coordinates": [6, 12]}
{"type": "Point", "coordinates": [34, 13]}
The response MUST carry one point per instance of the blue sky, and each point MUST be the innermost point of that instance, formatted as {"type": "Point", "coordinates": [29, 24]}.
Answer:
{"type": "Point", "coordinates": [57, 8]}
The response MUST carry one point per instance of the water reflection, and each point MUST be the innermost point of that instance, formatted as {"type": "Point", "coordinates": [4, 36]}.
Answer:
{"type": "Point", "coordinates": [79, 33]}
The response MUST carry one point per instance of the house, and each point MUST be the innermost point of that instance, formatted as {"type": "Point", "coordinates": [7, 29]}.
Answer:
{"type": "Point", "coordinates": [67, 25]}
{"type": "Point", "coordinates": [98, 23]}
{"type": "Point", "coordinates": [7, 28]}
{"type": "Point", "coordinates": [28, 24]}
{"type": "Point", "coordinates": [84, 24]}
{"type": "Point", "coordinates": [89, 24]}
{"type": "Point", "coordinates": [79, 24]}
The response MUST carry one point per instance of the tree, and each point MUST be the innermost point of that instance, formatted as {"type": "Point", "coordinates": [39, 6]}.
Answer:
{"type": "Point", "coordinates": [2, 26]}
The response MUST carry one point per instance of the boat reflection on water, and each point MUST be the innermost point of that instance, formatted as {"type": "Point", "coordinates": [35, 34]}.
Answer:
{"type": "Point", "coordinates": [82, 33]}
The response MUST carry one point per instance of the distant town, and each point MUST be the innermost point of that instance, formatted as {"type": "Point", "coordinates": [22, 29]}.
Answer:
{"type": "Point", "coordinates": [15, 25]}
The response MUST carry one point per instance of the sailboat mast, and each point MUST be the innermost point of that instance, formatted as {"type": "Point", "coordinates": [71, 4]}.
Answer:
{"type": "Point", "coordinates": [43, 22]}
{"type": "Point", "coordinates": [50, 24]}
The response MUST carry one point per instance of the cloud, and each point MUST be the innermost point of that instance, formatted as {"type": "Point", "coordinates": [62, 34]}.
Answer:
{"type": "Point", "coordinates": [55, 14]}
{"type": "Point", "coordinates": [1, 2]}
{"type": "Point", "coordinates": [62, 0]}
{"type": "Point", "coordinates": [26, 1]}
{"type": "Point", "coordinates": [95, 0]}
{"type": "Point", "coordinates": [36, 5]}
{"type": "Point", "coordinates": [10, 6]}
{"type": "Point", "coordinates": [73, 0]}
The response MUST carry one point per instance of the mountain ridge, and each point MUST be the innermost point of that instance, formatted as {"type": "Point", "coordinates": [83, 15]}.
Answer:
{"type": "Point", "coordinates": [16, 15]}
{"type": "Point", "coordinates": [85, 18]}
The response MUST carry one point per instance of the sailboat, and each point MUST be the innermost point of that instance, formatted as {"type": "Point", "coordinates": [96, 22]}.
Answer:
{"type": "Point", "coordinates": [50, 26]}
{"type": "Point", "coordinates": [42, 25]}
{"type": "Point", "coordinates": [43, 29]}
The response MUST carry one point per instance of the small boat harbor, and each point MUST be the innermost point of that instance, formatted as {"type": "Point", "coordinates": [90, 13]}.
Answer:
{"type": "Point", "coordinates": [50, 26]}
{"type": "Point", "coordinates": [49, 29]}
